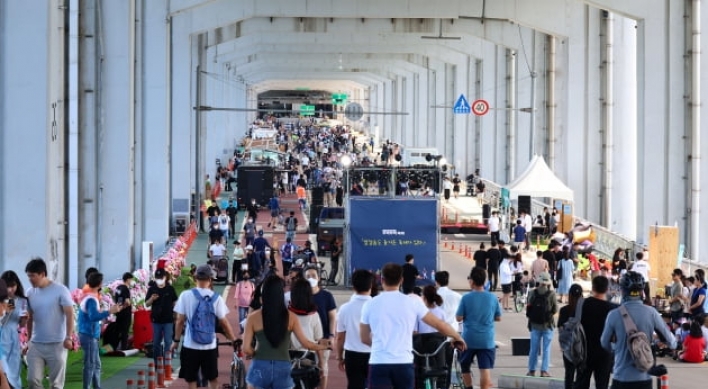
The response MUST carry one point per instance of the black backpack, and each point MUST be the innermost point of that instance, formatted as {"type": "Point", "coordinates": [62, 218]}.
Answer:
{"type": "Point", "coordinates": [537, 311]}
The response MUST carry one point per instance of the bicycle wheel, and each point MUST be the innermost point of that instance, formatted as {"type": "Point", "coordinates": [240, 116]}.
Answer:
{"type": "Point", "coordinates": [238, 378]}
{"type": "Point", "coordinates": [456, 376]}
{"type": "Point", "coordinates": [519, 302]}
{"type": "Point", "coordinates": [324, 278]}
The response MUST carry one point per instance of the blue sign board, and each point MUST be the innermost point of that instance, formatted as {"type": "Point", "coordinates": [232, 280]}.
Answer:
{"type": "Point", "coordinates": [462, 106]}
{"type": "Point", "coordinates": [385, 230]}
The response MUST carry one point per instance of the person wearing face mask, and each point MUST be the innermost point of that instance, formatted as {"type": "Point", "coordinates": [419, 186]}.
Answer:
{"type": "Point", "coordinates": [161, 299]}
{"type": "Point", "coordinates": [249, 231]}
{"type": "Point", "coordinates": [122, 297]}
{"type": "Point", "coordinates": [327, 310]}
{"type": "Point", "coordinates": [13, 319]}
{"type": "Point", "coordinates": [243, 294]}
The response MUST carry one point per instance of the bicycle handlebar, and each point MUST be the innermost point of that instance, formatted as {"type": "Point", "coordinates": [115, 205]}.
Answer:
{"type": "Point", "coordinates": [437, 350]}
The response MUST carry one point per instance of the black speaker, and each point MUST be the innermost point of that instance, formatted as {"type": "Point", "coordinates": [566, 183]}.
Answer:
{"type": "Point", "coordinates": [317, 195]}
{"type": "Point", "coordinates": [486, 211]}
{"type": "Point", "coordinates": [315, 217]}
{"type": "Point", "coordinates": [524, 204]}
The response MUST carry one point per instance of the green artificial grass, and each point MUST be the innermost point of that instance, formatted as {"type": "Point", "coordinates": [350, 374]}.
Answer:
{"type": "Point", "coordinates": [74, 368]}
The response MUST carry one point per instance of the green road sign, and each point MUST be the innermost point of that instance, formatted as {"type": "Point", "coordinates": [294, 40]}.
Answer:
{"type": "Point", "coordinates": [339, 98]}
{"type": "Point", "coordinates": [307, 110]}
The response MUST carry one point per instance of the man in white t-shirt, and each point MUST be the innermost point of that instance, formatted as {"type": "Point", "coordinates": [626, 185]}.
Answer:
{"type": "Point", "coordinates": [493, 226]}
{"type": "Point", "coordinates": [387, 324]}
{"type": "Point", "coordinates": [196, 356]}
{"type": "Point", "coordinates": [528, 226]}
{"type": "Point", "coordinates": [641, 266]}
{"type": "Point", "coordinates": [352, 354]}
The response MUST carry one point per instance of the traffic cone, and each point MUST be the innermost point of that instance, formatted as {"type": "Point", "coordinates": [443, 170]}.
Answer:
{"type": "Point", "coordinates": [460, 249]}
{"type": "Point", "coordinates": [445, 244]}
{"type": "Point", "coordinates": [168, 367]}
{"type": "Point", "coordinates": [151, 380]}
{"type": "Point", "coordinates": [160, 372]}
{"type": "Point", "coordinates": [130, 384]}
{"type": "Point", "coordinates": [141, 380]}
{"type": "Point", "coordinates": [664, 381]}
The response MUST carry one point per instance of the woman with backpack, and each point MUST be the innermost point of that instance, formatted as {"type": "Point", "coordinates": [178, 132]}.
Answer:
{"type": "Point", "coordinates": [271, 326]}
{"type": "Point", "coordinates": [540, 310]}
{"type": "Point", "coordinates": [574, 294]}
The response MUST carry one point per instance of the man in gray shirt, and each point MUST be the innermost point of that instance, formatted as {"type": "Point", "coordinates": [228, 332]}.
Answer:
{"type": "Point", "coordinates": [49, 326]}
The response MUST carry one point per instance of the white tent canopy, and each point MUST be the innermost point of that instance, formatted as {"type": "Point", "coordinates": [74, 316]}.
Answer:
{"type": "Point", "coordinates": [539, 181]}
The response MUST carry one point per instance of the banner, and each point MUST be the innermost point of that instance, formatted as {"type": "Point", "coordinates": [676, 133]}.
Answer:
{"type": "Point", "coordinates": [385, 230]}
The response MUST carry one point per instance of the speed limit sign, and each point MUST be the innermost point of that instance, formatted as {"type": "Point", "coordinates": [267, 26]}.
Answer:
{"type": "Point", "coordinates": [480, 107]}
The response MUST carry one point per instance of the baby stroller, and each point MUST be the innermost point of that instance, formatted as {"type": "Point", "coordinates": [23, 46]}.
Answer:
{"type": "Point", "coordinates": [220, 269]}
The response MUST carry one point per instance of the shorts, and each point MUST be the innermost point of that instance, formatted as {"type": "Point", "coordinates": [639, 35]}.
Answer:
{"type": "Point", "coordinates": [269, 374]}
{"type": "Point", "coordinates": [274, 212]}
{"type": "Point", "coordinates": [485, 359]}
{"type": "Point", "coordinates": [191, 361]}
{"type": "Point", "coordinates": [506, 288]}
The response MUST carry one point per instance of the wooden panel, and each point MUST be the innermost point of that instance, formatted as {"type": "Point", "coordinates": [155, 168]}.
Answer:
{"type": "Point", "coordinates": [663, 254]}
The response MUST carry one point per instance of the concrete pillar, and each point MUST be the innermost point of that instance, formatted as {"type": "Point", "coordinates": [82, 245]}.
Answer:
{"type": "Point", "coordinates": [32, 136]}
{"type": "Point", "coordinates": [116, 140]}
{"type": "Point", "coordinates": [624, 148]}
{"type": "Point", "coordinates": [445, 145]}
{"type": "Point", "coordinates": [153, 217]}
{"type": "Point", "coordinates": [186, 177]}
{"type": "Point", "coordinates": [459, 145]}
{"type": "Point", "coordinates": [90, 126]}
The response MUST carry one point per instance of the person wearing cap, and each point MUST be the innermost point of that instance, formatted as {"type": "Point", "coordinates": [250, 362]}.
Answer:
{"type": "Point", "coordinates": [195, 357]}
{"type": "Point", "coordinates": [259, 247]}
{"type": "Point", "coordinates": [4, 310]}
{"type": "Point", "coordinates": [122, 297]}
{"type": "Point", "coordinates": [286, 255]}
{"type": "Point", "coordinates": [161, 297]}
{"type": "Point", "coordinates": [50, 326]}
{"type": "Point", "coordinates": [614, 335]}
{"type": "Point", "coordinates": [251, 262]}
{"type": "Point", "coordinates": [542, 332]}
{"type": "Point", "coordinates": [309, 252]}
{"type": "Point", "coordinates": [90, 317]}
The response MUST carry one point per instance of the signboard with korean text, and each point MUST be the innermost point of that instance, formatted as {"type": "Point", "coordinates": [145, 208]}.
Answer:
{"type": "Point", "coordinates": [385, 230]}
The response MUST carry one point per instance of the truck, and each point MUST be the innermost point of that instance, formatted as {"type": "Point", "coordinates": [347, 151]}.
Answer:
{"type": "Point", "coordinates": [330, 225]}
{"type": "Point", "coordinates": [413, 156]}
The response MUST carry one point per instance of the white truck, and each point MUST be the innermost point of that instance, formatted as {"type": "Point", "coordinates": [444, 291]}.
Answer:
{"type": "Point", "coordinates": [416, 156]}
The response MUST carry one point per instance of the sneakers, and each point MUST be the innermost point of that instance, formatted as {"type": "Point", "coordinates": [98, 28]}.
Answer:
{"type": "Point", "coordinates": [545, 374]}
{"type": "Point", "coordinates": [531, 373]}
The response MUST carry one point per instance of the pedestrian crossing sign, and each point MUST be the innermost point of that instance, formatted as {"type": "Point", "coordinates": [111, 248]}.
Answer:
{"type": "Point", "coordinates": [461, 106]}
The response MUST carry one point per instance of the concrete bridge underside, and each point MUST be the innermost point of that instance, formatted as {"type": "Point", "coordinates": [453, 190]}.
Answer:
{"type": "Point", "coordinates": [101, 144]}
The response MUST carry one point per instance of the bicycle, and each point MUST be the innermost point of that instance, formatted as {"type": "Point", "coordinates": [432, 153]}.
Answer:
{"type": "Point", "coordinates": [324, 276]}
{"type": "Point", "coordinates": [521, 298]}
{"type": "Point", "coordinates": [238, 369]}
{"type": "Point", "coordinates": [456, 376]}
{"type": "Point", "coordinates": [431, 374]}
{"type": "Point", "coordinates": [304, 371]}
